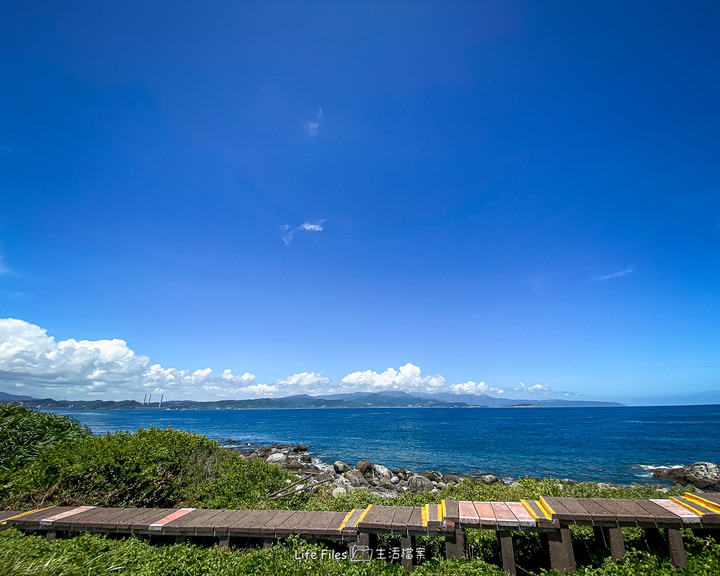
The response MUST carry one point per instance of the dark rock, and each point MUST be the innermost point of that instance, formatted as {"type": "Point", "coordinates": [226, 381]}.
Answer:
{"type": "Point", "coordinates": [386, 485]}
{"type": "Point", "coordinates": [450, 478]}
{"type": "Point", "coordinates": [231, 442]}
{"type": "Point", "coordinates": [489, 479]}
{"type": "Point", "coordinates": [306, 459]}
{"type": "Point", "coordinates": [700, 475]}
{"type": "Point", "coordinates": [432, 476]}
{"type": "Point", "coordinates": [293, 464]}
{"type": "Point", "coordinates": [419, 483]}
{"type": "Point", "coordinates": [355, 477]}
{"type": "Point", "coordinates": [300, 448]}
{"type": "Point", "coordinates": [264, 451]}
{"type": "Point", "coordinates": [364, 466]}
{"type": "Point", "coordinates": [341, 467]}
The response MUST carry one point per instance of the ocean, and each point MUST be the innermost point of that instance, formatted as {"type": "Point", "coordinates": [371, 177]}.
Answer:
{"type": "Point", "coordinates": [615, 444]}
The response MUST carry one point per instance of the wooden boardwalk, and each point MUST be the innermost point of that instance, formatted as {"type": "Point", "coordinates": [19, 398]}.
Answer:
{"type": "Point", "coordinates": [550, 516]}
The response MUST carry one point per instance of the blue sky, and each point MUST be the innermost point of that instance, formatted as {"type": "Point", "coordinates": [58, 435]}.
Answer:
{"type": "Point", "coordinates": [336, 196]}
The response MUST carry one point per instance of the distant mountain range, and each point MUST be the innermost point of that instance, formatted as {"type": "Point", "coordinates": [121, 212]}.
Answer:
{"type": "Point", "coordinates": [353, 400]}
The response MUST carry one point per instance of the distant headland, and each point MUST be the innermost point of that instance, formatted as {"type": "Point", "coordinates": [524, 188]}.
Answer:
{"type": "Point", "coordinates": [354, 400]}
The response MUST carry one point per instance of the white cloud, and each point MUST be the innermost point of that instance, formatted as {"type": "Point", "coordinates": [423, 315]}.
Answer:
{"type": "Point", "coordinates": [288, 233]}
{"type": "Point", "coordinates": [407, 379]}
{"type": "Point", "coordinates": [471, 387]}
{"type": "Point", "coordinates": [619, 274]}
{"type": "Point", "coordinates": [29, 357]}
{"type": "Point", "coordinates": [536, 389]}
{"type": "Point", "coordinates": [312, 129]}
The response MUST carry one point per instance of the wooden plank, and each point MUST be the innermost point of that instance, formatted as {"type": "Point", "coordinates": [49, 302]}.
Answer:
{"type": "Point", "coordinates": [485, 514]}
{"type": "Point", "coordinates": [452, 510]}
{"type": "Point", "coordinates": [315, 523]}
{"type": "Point", "coordinates": [708, 517]}
{"type": "Point", "coordinates": [401, 519]}
{"type": "Point", "coordinates": [575, 507]}
{"type": "Point", "coordinates": [114, 519]}
{"type": "Point", "coordinates": [378, 518]}
{"type": "Point", "coordinates": [31, 518]}
{"type": "Point", "coordinates": [153, 515]}
{"type": "Point", "coordinates": [213, 522]}
{"type": "Point", "coordinates": [712, 496]}
{"type": "Point", "coordinates": [414, 524]}
{"type": "Point", "coordinates": [273, 522]}
{"type": "Point", "coordinates": [161, 522]}
{"type": "Point", "coordinates": [618, 511]}
{"type": "Point", "coordinates": [468, 513]}
{"type": "Point", "coordinates": [248, 523]}
{"type": "Point", "coordinates": [662, 517]}
{"type": "Point", "coordinates": [600, 514]}
{"type": "Point", "coordinates": [5, 514]}
{"type": "Point", "coordinates": [354, 518]}
{"type": "Point", "coordinates": [632, 509]}
{"type": "Point", "coordinates": [504, 516]}
{"type": "Point", "coordinates": [190, 519]}
{"type": "Point", "coordinates": [289, 525]}
{"type": "Point", "coordinates": [434, 515]}
{"type": "Point", "coordinates": [49, 520]}
{"type": "Point", "coordinates": [559, 509]}
{"type": "Point", "coordinates": [687, 517]}
{"type": "Point", "coordinates": [524, 518]}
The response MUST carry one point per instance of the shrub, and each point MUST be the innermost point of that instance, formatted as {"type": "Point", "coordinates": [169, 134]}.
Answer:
{"type": "Point", "coordinates": [24, 433]}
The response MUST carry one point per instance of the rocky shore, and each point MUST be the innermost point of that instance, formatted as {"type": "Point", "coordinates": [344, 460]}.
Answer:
{"type": "Point", "coordinates": [364, 475]}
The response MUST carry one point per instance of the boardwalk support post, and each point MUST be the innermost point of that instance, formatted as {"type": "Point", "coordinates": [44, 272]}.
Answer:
{"type": "Point", "coordinates": [676, 548]}
{"type": "Point", "coordinates": [50, 535]}
{"type": "Point", "coordinates": [368, 539]}
{"type": "Point", "coordinates": [561, 551]}
{"type": "Point", "coordinates": [224, 541]}
{"type": "Point", "coordinates": [407, 543]}
{"type": "Point", "coordinates": [455, 544]}
{"type": "Point", "coordinates": [614, 538]}
{"type": "Point", "coordinates": [507, 552]}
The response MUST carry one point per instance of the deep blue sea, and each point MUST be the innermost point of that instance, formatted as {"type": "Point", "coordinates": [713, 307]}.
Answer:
{"type": "Point", "coordinates": [601, 444]}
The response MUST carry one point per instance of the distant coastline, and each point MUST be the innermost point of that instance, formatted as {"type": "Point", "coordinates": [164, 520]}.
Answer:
{"type": "Point", "coordinates": [356, 400]}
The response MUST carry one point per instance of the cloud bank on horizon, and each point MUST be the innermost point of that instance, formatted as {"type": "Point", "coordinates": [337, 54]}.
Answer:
{"type": "Point", "coordinates": [34, 363]}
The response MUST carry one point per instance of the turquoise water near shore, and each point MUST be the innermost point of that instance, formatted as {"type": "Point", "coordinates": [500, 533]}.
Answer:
{"type": "Point", "coordinates": [600, 444]}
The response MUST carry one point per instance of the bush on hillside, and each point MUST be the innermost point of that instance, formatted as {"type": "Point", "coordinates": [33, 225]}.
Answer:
{"type": "Point", "coordinates": [24, 433]}
{"type": "Point", "coordinates": [151, 468]}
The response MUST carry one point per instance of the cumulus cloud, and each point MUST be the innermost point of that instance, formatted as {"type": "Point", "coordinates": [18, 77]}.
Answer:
{"type": "Point", "coordinates": [471, 387]}
{"type": "Point", "coordinates": [288, 233]}
{"type": "Point", "coordinates": [32, 362]}
{"type": "Point", "coordinates": [31, 359]}
{"type": "Point", "coordinates": [536, 389]}
{"type": "Point", "coordinates": [619, 274]}
{"type": "Point", "coordinates": [407, 379]}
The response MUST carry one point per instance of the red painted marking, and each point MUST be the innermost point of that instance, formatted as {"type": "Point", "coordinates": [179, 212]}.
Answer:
{"type": "Point", "coordinates": [66, 514]}
{"type": "Point", "coordinates": [678, 510]}
{"type": "Point", "coordinates": [485, 512]}
{"type": "Point", "coordinates": [523, 516]}
{"type": "Point", "coordinates": [503, 513]}
{"type": "Point", "coordinates": [467, 511]}
{"type": "Point", "coordinates": [169, 518]}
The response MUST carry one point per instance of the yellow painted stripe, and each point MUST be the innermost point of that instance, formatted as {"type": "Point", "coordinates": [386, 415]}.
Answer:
{"type": "Point", "coordinates": [687, 506]}
{"type": "Point", "coordinates": [547, 506]}
{"type": "Point", "coordinates": [342, 525]}
{"type": "Point", "coordinates": [703, 502]}
{"type": "Point", "coordinates": [545, 511]}
{"type": "Point", "coordinates": [530, 509]}
{"type": "Point", "coordinates": [24, 514]}
{"type": "Point", "coordinates": [439, 513]}
{"type": "Point", "coordinates": [441, 510]}
{"type": "Point", "coordinates": [363, 514]}
{"type": "Point", "coordinates": [425, 515]}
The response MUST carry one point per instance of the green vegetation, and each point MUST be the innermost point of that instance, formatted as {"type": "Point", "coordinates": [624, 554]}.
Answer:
{"type": "Point", "coordinates": [50, 460]}
{"type": "Point", "coordinates": [24, 433]}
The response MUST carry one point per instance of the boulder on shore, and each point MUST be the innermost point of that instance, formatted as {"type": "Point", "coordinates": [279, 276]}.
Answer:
{"type": "Point", "coordinates": [701, 475]}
